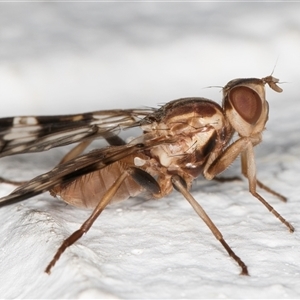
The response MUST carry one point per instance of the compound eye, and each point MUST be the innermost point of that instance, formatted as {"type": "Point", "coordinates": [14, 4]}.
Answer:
{"type": "Point", "coordinates": [247, 103]}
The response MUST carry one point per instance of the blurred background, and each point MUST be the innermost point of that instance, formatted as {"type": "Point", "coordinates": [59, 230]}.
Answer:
{"type": "Point", "coordinates": [75, 57]}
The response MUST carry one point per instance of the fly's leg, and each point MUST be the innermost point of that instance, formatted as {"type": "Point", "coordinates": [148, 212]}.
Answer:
{"type": "Point", "coordinates": [140, 176]}
{"type": "Point", "coordinates": [269, 190]}
{"type": "Point", "coordinates": [227, 179]}
{"type": "Point", "coordinates": [179, 185]}
{"type": "Point", "coordinates": [259, 183]}
{"type": "Point", "coordinates": [76, 151]}
{"type": "Point", "coordinates": [89, 222]}
{"type": "Point", "coordinates": [113, 140]}
{"type": "Point", "coordinates": [243, 146]}
{"type": "Point", "coordinates": [12, 182]}
{"type": "Point", "coordinates": [248, 165]}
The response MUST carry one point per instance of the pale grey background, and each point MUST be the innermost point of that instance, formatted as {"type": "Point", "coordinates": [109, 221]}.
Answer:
{"type": "Point", "coordinates": [73, 57]}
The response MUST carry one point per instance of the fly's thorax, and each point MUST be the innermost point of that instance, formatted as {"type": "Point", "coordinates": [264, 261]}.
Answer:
{"type": "Point", "coordinates": [195, 128]}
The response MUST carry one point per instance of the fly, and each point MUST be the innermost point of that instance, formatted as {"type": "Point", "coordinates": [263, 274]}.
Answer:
{"type": "Point", "coordinates": [181, 140]}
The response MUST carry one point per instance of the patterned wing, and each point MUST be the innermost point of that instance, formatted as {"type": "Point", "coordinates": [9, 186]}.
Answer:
{"type": "Point", "coordinates": [40, 133]}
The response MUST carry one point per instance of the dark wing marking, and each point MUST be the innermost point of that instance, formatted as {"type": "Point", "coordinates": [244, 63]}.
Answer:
{"type": "Point", "coordinates": [40, 133]}
{"type": "Point", "coordinates": [69, 171]}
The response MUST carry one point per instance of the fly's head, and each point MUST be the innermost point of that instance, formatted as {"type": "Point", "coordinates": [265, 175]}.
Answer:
{"type": "Point", "coordinates": [245, 104]}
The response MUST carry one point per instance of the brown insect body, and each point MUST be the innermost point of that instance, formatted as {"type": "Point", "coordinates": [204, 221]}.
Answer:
{"type": "Point", "coordinates": [199, 130]}
{"type": "Point", "coordinates": [181, 140]}
{"type": "Point", "coordinates": [88, 190]}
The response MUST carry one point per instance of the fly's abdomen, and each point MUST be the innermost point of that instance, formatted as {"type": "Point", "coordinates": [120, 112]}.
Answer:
{"type": "Point", "coordinates": [88, 190]}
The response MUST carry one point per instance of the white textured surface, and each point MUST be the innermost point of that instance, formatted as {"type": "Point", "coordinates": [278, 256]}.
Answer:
{"type": "Point", "coordinates": [73, 57]}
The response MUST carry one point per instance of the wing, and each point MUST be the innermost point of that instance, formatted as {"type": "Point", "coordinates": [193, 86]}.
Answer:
{"type": "Point", "coordinates": [40, 133]}
{"type": "Point", "coordinates": [69, 171]}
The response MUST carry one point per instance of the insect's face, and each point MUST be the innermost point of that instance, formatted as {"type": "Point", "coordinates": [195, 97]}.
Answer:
{"type": "Point", "coordinates": [245, 105]}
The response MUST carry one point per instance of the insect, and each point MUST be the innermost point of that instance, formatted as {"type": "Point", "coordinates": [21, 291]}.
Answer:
{"type": "Point", "coordinates": [181, 140]}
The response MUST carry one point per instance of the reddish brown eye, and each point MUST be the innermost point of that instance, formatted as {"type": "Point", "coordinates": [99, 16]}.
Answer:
{"type": "Point", "coordinates": [247, 103]}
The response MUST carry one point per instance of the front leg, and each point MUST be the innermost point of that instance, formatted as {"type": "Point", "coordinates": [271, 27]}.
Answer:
{"type": "Point", "coordinates": [12, 182]}
{"type": "Point", "coordinates": [243, 146]}
{"type": "Point", "coordinates": [259, 183]}
{"type": "Point", "coordinates": [223, 161]}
